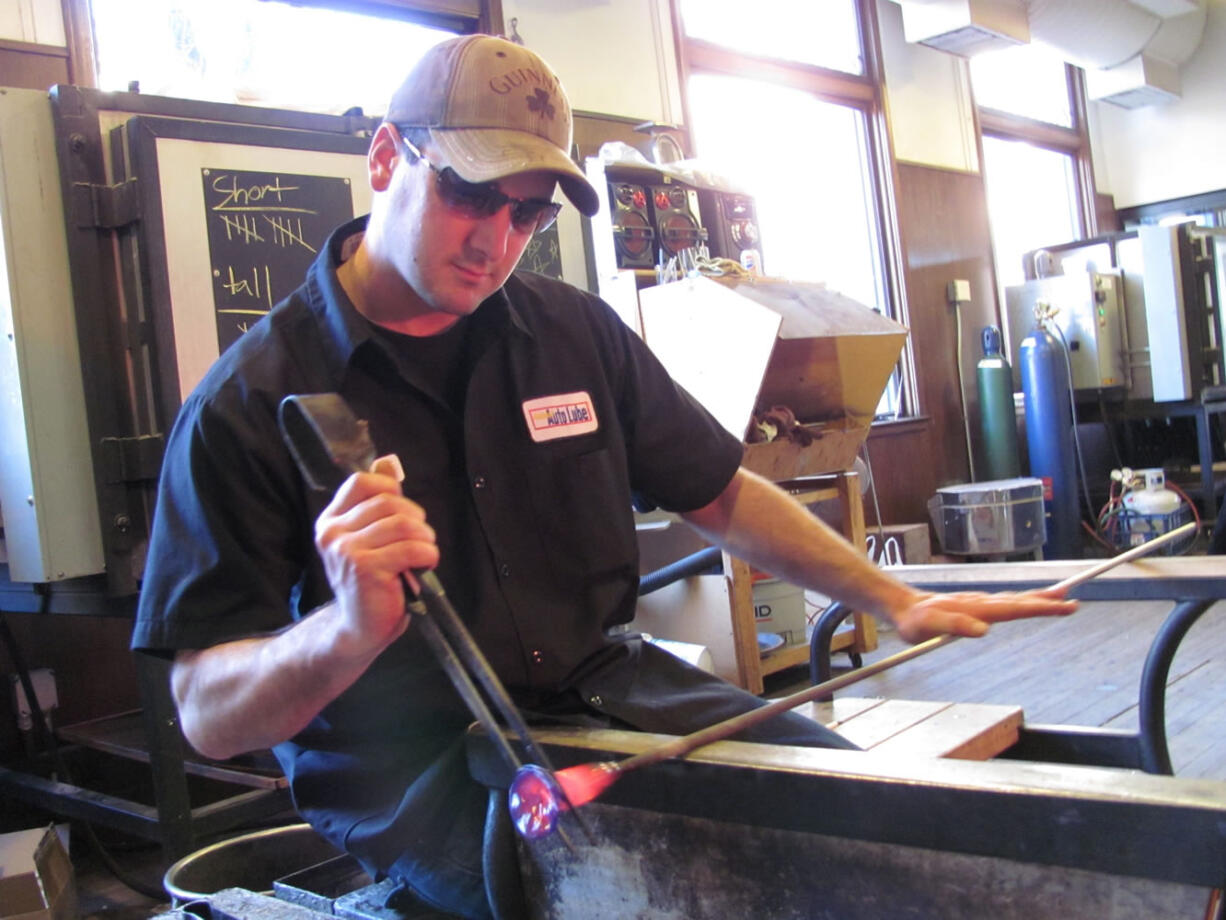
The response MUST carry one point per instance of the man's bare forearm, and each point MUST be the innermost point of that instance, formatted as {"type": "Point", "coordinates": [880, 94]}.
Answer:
{"type": "Point", "coordinates": [757, 522]}
{"type": "Point", "coordinates": [253, 693]}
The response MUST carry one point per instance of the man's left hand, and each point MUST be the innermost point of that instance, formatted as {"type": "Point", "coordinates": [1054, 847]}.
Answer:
{"type": "Point", "coordinates": [971, 613]}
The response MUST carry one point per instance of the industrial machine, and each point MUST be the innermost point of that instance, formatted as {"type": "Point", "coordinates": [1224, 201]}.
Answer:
{"type": "Point", "coordinates": [731, 219]}
{"type": "Point", "coordinates": [633, 234]}
{"type": "Point", "coordinates": [1089, 311]}
{"type": "Point", "coordinates": [1141, 311]}
{"type": "Point", "coordinates": [674, 209]}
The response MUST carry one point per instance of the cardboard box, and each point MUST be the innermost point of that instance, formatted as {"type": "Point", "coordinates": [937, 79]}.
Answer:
{"type": "Point", "coordinates": [736, 345]}
{"type": "Point", "coordinates": [906, 544]}
{"type": "Point", "coordinates": [36, 877]}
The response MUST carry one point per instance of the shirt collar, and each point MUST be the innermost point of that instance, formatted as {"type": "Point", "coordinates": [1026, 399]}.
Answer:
{"type": "Point", "coordinates": [348, 333]}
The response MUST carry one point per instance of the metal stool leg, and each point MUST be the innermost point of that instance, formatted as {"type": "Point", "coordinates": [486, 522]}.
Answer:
{"type": "Point", "coordinates": [1155, 757]}
{"type": "Point", "coordinates": [819, 643]}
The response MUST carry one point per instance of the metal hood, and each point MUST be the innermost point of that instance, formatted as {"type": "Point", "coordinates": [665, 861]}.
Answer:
{"type": "Point", "coordinates": [1131, 50]}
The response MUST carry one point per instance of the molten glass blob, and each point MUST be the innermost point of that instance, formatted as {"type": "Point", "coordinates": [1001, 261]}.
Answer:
{"type": "Point", "coordinates": [535, 799]}
{"type": "Point", "coordinates": [586, 781]}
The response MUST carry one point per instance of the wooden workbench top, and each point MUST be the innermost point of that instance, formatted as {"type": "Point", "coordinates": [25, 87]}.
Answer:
{"type": "Point", "coordinates": [966, 731]}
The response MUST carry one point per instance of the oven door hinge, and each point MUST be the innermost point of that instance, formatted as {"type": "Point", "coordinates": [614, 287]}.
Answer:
{"type": "Point", "coordinates": [132, 459]}
{"type": "Point", "coordinates": [106, 206]}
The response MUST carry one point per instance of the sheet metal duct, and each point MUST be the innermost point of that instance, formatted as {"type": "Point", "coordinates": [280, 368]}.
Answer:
{"type": "Point", "coordinates": [1131, 50]}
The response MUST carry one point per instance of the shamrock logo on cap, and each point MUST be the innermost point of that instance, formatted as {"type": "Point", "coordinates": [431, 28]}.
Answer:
{"type": "Point", "coordinates": [539, 102]}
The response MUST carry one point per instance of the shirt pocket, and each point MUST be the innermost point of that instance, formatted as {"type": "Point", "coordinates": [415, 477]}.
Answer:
{"type": "Point", "coordinates": [583, 511]}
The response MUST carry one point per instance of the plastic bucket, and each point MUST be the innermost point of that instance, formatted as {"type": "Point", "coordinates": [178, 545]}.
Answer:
{"type": "Point", "coordinates": [252, 861]}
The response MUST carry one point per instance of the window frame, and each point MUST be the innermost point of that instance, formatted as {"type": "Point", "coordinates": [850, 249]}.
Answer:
{"type": "Point", "coordinates": [1073, 142]}
{"type": "Point", "coordinates": [863, 92]}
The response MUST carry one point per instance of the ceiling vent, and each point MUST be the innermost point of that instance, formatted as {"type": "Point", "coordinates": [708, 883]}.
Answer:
{"type": "Point", "coordinates": [966, 27]}
{"type": "Point", "coordinates": [1131, 50]}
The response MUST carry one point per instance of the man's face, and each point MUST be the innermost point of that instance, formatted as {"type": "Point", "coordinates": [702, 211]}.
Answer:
{"type": "Point", "coordinates": [451, 261]}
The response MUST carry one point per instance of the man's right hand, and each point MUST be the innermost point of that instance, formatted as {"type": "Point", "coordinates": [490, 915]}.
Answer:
{"type": "Point", "coordinates": [368, 536]}
{"type": "Point", "coordinates": [253, 693]}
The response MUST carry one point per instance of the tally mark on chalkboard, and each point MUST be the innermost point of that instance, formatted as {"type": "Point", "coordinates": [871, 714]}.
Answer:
{"type": "Point", "coordinates": [240, 205]}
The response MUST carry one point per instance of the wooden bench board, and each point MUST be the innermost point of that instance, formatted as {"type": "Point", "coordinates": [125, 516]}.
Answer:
{"type": "Point", "coordinates": [968, 731]}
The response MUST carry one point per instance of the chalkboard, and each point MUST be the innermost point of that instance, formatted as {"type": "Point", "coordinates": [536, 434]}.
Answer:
{"type": "Point", "coordinates": [264, 231]}
{"type": "Point", "coordinates": [543, 254]}
{"type": "Point", "coordinates": [231, 217]}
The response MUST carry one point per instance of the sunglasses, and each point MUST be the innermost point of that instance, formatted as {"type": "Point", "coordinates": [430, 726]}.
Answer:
{"type": "Point", "coordinates": [476, 200]}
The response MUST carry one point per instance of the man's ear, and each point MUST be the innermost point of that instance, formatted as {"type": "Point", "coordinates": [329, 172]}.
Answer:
{"type": "Point", "coordinates": [383, 156]}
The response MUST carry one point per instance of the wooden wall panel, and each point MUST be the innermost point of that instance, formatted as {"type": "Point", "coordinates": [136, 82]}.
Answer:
{"type": "Point", "coordinates": [94, 672]}
{"type": "Point", "coordinates": [29, 66]}
{"type": "Point", "coordinates": [1105, 215]}
{"type": "Point", "coordinates": [943, 221]}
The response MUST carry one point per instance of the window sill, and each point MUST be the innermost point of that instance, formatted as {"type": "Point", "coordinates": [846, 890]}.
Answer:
{"type": "Point", "coordinates": [900, 426]}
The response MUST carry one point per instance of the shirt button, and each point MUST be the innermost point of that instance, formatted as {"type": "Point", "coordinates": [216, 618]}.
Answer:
{"type": "Point", "coordinates": [479, 482]}
{"type": "Point", "coordinates": [504, 570]}
{"type": "Point", "coordinates": [537, 657]}
{"type": "Point", "coordinates": [596, 700]}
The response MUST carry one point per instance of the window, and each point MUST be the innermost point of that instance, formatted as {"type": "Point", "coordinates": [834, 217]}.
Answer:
{"type": "Point", "coordinates": [825, 34]}
{"type": "Point", "coordinates": [1028, 81]}
{"type": "Point", "coordinates": [817, 155]}
{"type": "Point", "coordinates": [804, 100]}
{"type": "Point", "coordinates": [269, 53]}
{"type": "Point", "coordinates": [1032, 202]}
{"type": "Point", "coordinates": [1036, 155]}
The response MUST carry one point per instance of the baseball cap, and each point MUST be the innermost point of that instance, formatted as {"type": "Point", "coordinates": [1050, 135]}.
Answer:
{"type": "Point", "coordinates": [493, 108]}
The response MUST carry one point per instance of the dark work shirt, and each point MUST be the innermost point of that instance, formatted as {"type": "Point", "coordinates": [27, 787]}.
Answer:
{"type": "Point", "coordinates": [565, 415]}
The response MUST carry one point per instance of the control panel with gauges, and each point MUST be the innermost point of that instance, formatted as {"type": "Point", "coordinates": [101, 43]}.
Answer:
{"type": "Point", "coordinates": [675, 215]}
{"type": "Point", "coordinates": [633, 234]}
{"type": "Point", "coordinates": [731, 219]}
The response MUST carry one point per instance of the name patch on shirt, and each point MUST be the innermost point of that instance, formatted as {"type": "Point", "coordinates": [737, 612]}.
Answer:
{"type": "Point", "coordinates": [562, 416]}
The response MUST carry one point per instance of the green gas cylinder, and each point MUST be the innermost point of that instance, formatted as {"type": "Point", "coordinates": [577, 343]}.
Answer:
{"type": "Point", "coordinates": [997, 421]}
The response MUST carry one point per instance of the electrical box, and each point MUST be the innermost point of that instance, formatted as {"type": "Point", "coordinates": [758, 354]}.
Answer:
{"type": "Point", "coordinates": [1089, 313]}
{"type": "Point", "coordinates": [51, 526]}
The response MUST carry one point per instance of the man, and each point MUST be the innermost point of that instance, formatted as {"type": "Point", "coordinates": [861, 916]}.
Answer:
{"type": "Point", "coordinates": [414, 316]}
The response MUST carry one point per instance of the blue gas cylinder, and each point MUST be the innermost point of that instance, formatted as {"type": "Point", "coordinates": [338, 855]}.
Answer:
{"type": "Point", "coordinates": [1049, 439]}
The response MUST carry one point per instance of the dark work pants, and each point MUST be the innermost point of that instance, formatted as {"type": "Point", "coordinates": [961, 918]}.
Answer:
{"type": "Point", "coordinates": [459, 839]}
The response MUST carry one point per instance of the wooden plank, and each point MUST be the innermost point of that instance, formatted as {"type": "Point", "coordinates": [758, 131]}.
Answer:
{"type": "Point", "coordinates": [834, 713]}
{"type": "Point", "coordinates": [965, 731]}
{"type": "Point", "coordinates": [874, 725]}
{"type": "Point", "coordinates": [744, 631]}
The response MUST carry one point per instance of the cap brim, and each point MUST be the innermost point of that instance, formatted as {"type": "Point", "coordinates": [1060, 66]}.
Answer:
{"type": "Point", "coordinates": [486, 154]}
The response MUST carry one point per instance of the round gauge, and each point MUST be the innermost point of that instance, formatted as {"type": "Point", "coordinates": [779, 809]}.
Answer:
{"type": "Point", "coordinates": [625, 194]}
{"type": "Point", "coordinates": [676, 197]}
{"type": "Point", "coordinates": [633, 235]}
{"type": "Point", "coordinates": [677, 232]}
{"type": "Point", "coordinates": [744, 233]}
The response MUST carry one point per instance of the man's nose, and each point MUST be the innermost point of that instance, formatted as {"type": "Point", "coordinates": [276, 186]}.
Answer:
{"type": "Point", "coordinates": [492, 235]}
